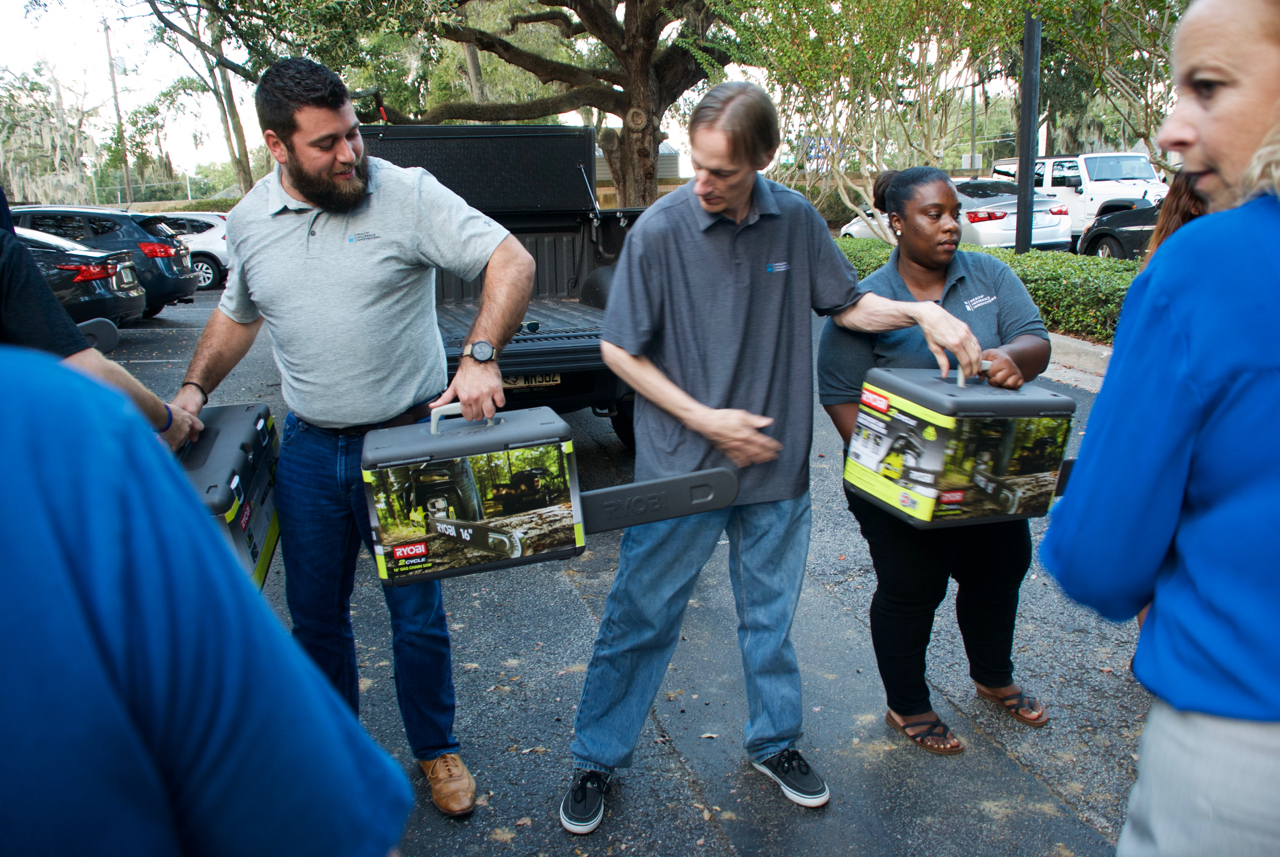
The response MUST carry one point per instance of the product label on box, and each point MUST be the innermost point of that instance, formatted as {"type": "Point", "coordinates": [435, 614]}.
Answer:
{"type": "Point", "coordinates": [447, 514]}
{"type": "Point", "coordinates": [933, 467]}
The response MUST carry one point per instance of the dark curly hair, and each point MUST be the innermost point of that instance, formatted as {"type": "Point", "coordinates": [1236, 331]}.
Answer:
{"type": "Point", "coordinates": [290, 85]}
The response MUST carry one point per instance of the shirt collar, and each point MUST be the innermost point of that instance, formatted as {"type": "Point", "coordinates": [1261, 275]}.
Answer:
{"type": "Point", "coordinates": [957, 270]}
{"type": "Point", "coordinates": [762, 203]}
{"type": "Point", "coordinates": [278, 199]}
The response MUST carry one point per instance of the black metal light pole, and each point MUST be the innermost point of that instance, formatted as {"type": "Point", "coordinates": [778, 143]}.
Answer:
{"type": "Point", "coordinates": [1028, 132]}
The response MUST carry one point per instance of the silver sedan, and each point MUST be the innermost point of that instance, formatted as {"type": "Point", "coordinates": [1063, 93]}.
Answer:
{"type": "Point", "coordinates": [989, 217]}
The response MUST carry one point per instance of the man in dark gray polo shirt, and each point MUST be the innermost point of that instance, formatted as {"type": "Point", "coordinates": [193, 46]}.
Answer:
{"type": "Point", "coordinates": [709, 321]}
{"type": "Point", "coordinates": [336, 254]}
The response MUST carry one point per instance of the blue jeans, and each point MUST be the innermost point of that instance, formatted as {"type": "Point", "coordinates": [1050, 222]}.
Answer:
{"type": "Point", "coordinates": [657, 570]}
{"type": "Point", "coordinates": [323, 519]}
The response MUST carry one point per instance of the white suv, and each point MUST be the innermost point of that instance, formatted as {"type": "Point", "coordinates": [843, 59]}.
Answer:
{"type": "Point", "coordinates": [1093, 185]}
{"type": "Point", "coordinates": [205, 233]}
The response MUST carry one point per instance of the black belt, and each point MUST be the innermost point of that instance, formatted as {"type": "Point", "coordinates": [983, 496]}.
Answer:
{"type": "Point", "coordinates": [408, 418]}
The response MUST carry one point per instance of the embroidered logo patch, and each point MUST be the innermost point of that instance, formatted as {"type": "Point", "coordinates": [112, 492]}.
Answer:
{"type": "Point", "coordinates": [778, 267]}
{"type": "Point", "coordinates": [979, 301]}
{"type": "Point", "coordinates": [353, 237]}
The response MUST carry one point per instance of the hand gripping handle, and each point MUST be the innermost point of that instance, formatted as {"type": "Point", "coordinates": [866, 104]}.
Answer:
{"type": "Point", "coordinates": [453, 409]}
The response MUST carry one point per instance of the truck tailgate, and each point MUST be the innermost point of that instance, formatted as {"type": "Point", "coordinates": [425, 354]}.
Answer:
{"type": "Point", "coordinates": [568, 337]}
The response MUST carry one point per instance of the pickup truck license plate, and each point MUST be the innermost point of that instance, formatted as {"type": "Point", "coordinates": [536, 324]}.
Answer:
{"type": "Point", "coordinates": [517, 382]}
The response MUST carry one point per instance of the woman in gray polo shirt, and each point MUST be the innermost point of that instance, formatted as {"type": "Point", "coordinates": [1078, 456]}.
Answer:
{"type": "Point", "coordinates": [912, 566]}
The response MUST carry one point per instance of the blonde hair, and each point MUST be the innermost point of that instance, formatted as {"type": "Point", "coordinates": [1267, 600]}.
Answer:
{"type": "Point", "coordinates": [1263, 174]}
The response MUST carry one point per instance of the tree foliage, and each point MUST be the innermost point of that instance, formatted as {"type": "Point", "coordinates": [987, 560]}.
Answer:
{"type": "Point", "coordinates": [631, 60]}
{"type": "Point", "coordinates": [46, 149]}
{"type": "Point", "coordinates": [1126, 46]}
{"type": "Point", "coordinates": [868, 85]}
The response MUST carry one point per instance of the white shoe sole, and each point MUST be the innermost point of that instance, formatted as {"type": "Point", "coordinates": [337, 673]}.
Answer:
{"type": "Point", "coordinates": [793, 795]}
{"type": "Point", "coordinates": [580, 829]}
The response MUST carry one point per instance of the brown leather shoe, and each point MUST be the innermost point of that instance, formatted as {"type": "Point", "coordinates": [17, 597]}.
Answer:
{"type": "Point", "coordinates": [453, 790]}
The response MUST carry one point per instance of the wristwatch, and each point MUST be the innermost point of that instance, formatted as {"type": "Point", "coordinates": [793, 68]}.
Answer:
{"type": "Point", "coordinates": [479, 351]}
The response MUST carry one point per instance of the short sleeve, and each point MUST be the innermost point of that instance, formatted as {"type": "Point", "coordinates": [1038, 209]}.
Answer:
{"type": "Point", "coordinates": [835, 282]}
{"type": "Point", "coordinates": [844, 358]}
{"type": "Point", "coordinates": [236, 304]}
{"type": "Point", "coordinates": [451, 234]}
{"type": "Point", "coordinates": [635, 298]}
{"type": "Point", "coordinates": [1019, 315]}
{"type": "Point", "coordinates": [30, 314]}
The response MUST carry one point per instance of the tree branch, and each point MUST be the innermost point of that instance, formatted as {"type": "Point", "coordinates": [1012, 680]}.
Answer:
{"type": "Point", "coordinates": [566, 25]}
{"type": "Point", "coordinates": [597, 96]}
{"type": "Point", "coordinates": [210, 51]}
{"type": "Point", "coordinates": [544, 69]}
{"type": "Point", "coordinates": [599, 18]}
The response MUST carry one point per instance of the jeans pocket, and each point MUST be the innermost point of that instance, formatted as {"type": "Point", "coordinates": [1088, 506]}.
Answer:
{"type": "Point", "coordinates": [292, 425]}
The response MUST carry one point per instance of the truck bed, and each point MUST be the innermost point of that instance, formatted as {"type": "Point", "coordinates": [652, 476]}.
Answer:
{"type": "Point", "coordinates": [568, 338]}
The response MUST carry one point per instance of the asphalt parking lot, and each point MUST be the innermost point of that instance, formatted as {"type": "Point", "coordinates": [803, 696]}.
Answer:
{"type": "Point", "coordinates": [522, 638]}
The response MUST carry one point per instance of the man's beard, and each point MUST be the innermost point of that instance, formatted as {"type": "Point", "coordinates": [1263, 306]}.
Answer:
{"type": "Point", "coordinates": [324, 191]}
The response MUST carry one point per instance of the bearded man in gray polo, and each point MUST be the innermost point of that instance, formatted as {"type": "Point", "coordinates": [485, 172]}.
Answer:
{"type": "Point", "coordinates": [336, 253]}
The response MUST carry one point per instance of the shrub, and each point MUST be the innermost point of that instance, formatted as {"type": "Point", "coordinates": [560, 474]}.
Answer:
{"type": "Point", "coordinates": [1078, 295]}
{"type": "Point", "coordinates": [208, 205]}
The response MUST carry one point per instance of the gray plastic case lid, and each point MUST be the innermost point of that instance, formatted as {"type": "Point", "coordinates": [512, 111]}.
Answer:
{"type": "Point", "coordinates": [230, 435]}
{"type": "Point", "coordinates": [926, 387]}
{"type": "Point", "coordinates": [458, 438]}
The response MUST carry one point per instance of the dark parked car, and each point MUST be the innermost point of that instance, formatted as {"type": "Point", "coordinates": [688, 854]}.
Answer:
{"type": "Point", "coordinates": [163, 263]}
{"type": "Point", "coordinates": [89, 283]}
{"type": "Point", "coordinates": [1122, 235]}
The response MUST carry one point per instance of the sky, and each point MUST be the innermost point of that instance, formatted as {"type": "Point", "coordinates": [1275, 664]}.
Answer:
{"type": "Point", "coordinates": [69, 38]}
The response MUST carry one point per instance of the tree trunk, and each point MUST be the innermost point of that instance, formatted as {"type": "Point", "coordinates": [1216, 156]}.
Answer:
{"type": "Point", "coordinates": [632, 151]}
{"type": "Point", "coordinates": [240, 154]}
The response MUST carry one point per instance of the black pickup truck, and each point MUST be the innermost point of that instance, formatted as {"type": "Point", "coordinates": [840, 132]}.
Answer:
{"type": "Point", "coordinates": [539, 182]}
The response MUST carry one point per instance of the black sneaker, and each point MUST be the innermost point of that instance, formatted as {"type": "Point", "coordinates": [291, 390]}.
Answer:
{"type": "Point", "coordinates": [799, 782]}
{"type": "Point", "coordinates": [583, 805]}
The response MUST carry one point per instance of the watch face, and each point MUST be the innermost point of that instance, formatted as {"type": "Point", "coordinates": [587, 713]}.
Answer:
{"type": "Point", "coordinates": [482, 351]}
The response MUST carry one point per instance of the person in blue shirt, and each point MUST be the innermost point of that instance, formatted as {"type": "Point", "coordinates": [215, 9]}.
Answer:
{"type": "Point", "coordinates": [1173, 500]}
{"type": "Point", "coordinates": [153, 705]}
{"type": "Point", "coordinates": [913, 566]}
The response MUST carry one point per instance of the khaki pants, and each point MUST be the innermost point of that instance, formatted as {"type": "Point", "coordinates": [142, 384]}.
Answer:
{"type": "Point", "coordinates": [1206, 786]}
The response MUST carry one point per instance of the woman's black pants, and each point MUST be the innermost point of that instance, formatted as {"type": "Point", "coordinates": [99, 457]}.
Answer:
{"type": "Point", "coordinates": [912, 566]}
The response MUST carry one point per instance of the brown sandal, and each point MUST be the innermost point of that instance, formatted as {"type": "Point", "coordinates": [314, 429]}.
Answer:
{"type": "Point", "coordinates": [1014, 703]}
{"type": "Point", "coordinates": [936, 727]}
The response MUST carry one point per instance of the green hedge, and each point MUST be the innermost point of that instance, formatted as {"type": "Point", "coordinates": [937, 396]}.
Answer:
{"type": "Point", "coordinates": [1078, 295]}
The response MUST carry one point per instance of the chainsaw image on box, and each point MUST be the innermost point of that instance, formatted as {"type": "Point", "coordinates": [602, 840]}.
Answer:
{"type": "Point", "coordinates": [478, 536]}
{"type": "Point", "coordinates": [458, 497]}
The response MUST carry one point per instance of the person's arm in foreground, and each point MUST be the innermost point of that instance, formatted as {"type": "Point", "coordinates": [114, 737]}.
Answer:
{"type": "Point", "coordinates": [1117, 520]}
{"type": "Point", "coordinates": [185, 424]}
{"type": "Point", "coordinates": [942, 331]}
{"type": "Point", "coordinates": [734, 432]}
{"type": "Point", "coordinates": [222, 345]}
{"type": "Point", "coordinates": [508, 284]}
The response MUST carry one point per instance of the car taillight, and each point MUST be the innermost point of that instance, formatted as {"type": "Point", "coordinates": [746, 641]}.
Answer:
{"type": "Point", "coordinates": [1059, 209]}
{"type": "Point", "coordinates": [153, 250]}
{"type": "Point", "coordinates": [84, 273]}
{"type": "Point", "coordinates": [983, 216]}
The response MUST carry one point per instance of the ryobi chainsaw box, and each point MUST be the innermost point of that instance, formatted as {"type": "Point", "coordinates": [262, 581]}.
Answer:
{"type": "Point", "coordinates": [232, 466]}
{"type": "Point", "coordinates": [938, 454]}
{"type": "Point", "coordinates": [456, 497]}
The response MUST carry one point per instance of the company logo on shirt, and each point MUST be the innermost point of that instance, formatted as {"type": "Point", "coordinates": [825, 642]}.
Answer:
{"type": "Point", "coordinates": [778, 267]}
{"type": "Point", "coordinates": [353, 237]}
{"type": "Point", "coordinates": [979, 301]}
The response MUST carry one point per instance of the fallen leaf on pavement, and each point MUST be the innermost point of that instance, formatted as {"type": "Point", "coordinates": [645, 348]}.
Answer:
{"type": "Point", "coordinates": [502, 835]}
{"type": "Point", "coordinates": [708, 735]}
{"type": "Point", "coordinates": [524, 822]}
